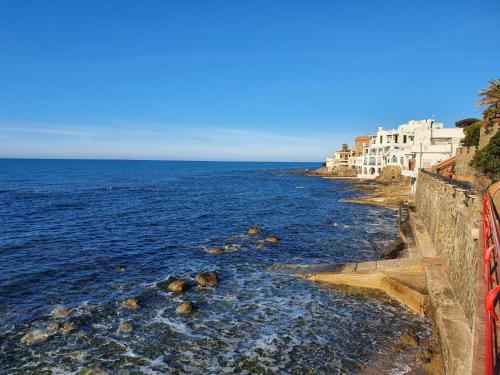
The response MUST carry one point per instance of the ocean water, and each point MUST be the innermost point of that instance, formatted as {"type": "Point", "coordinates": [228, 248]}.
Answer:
{"type": "Point", "coordinates": [89, 234]}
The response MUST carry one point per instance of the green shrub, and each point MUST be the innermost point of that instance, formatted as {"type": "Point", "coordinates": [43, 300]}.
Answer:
{"type": "Point", "coordinates": [472, 133]}
{"type": "Point", "coordinates": [491, 113]}
{"type": "Point", "coordinates": [487, 160]}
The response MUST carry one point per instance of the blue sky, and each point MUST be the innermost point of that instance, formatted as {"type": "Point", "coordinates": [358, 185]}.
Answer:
{"type": "Point", "coordinates": [233, 80]}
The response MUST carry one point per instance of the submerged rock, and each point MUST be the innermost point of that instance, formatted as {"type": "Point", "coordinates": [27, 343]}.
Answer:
{"type": "Point", "coordinates": [34, 337]}
{"type": "Point", "coordinates": [231, 246]}
{"type": "Point", "coordinates": [67, 328]}
{"type": "Point", "coordinates": [125, 327]}
{"type": "Point", "coordinates": [53, 327]}
{"type": "Point", "coordinates": [119, 268]}
{"type": "Point", "coordinates": [92, 370]}
{"type": "Point", "coordinates": [260, 244]}
{"type": "Point", "coordinates": [185, 307]}
{"type": "Point", "coordinates": [409, 339]}
{"type": "Point", "coordinates": [254, 230]}
{"type": "Point", "coordinates": [272, 239]}
{"type": "Point", "coordinates": [215, 250]}
{"type": "Point", "coordinates": [60, 312]}
{"type": "Point", "coordinates": [209, 278]}
{"type": "Point", "coordinates": [81, 336]}
{"type": "Point", "coordinates": [76, 355]}
{"type": "Point", "coordinates": [130, 304]}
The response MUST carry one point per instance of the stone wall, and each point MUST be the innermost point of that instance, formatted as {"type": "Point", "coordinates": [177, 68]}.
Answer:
{"type": "Point", "coordinates": [451, 214]}
{"type": "Point", "coordinates": [464, 157]}
{"type": "Point", "coordinates": [488, 130]}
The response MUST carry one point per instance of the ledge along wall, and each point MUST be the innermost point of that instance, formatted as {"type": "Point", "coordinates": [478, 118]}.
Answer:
{"type": "Point", "coordinates": [451, 214]}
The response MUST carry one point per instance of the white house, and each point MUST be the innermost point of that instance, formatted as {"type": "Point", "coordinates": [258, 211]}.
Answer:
{"type": "Point", "coordinates": [415, 145]}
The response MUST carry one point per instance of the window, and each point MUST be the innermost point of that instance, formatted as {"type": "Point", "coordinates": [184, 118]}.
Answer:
{"type": "Point", "coordinates": [396, 138]}
{"type": "Point", "coordinates": [381, 137]}
{"type": "Point", "coordinates": [394, 159]}
{"type": "Point", "coordinates": [404, 138]}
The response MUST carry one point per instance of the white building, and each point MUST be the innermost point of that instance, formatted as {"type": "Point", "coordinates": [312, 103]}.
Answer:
{"type": "Point", "coordinates": [415, 145]}
{"type": "Point", "coordinates": [340, 159]}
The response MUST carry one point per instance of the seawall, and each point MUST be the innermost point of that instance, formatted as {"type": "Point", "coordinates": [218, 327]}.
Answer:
{"type": "Point", "coordinates": [451, 216]}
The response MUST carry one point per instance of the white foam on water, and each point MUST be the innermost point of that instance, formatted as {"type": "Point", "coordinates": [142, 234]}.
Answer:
{"type": "Point", "coordinates": [173, 324]}
{"type": "Point", "coordinates": [130, 353]}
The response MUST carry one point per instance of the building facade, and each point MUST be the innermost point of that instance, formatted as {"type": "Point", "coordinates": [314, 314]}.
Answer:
{"type": "Point", "coordinates": [414, 145]}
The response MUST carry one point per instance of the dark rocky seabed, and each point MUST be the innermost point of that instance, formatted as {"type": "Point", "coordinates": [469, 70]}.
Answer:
{"type": "Point", "coordinates": [89, 234]}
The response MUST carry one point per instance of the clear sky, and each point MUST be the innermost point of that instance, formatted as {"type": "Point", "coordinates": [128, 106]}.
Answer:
{"type": "Point", "coordinates": [234, 80]}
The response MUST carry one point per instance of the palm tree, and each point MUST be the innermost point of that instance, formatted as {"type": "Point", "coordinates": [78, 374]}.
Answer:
{"type": "Point", "coordinates": [490, 98]}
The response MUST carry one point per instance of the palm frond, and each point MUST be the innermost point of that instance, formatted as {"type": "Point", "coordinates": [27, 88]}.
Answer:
{"type": "Point", "coordinates": [490, 97]}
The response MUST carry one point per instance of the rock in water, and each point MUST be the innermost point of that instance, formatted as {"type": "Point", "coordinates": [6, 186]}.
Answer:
{"type": "Point", "coordinates": [81, 336]}
{"type": "Point", "coordinates": [272, 239]}
{"type": "Point", "coordinates": [34, 337]}
{"type": "Point", "coordinates": [231, 246]}
{"type": "Point", "coordinates": [119, 268]}
{"type": "Point", "coordinates": [173, 285]}
{"type": "Point", "coordinates": [409, 339]}
{"type": "Point", "coordinates": [60, 312]}
{"type": "Point", "coordinates": [53, 327]}
{"type": "Point", "coordinates": [125, 327]}
{"type": "Point", "coordinates": [215, 250]}
{"type": "Point", "coordinates": [178, 286]}
{"type": "Point", "coordinates": [67, 328]}
{"type": "Point", "coordinates": [254, 230]}
{"type": "Point", "coordinates": [130, 304]}
{"type": "Point", "coordinates": [209, 278]}
{"type": "Point", "coordinates": [185, 308]}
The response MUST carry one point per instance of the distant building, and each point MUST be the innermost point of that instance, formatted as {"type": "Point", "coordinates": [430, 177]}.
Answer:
{"type": "Point", "coordinates": [356, 158]}
{"type": "Point", "coordinates": [349, 157]}
{"type": "Point", "coordinates": [341, 158]}
{"type": "Point", "coordinates": [415, 145]}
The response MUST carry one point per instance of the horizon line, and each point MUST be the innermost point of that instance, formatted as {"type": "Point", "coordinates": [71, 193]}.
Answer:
{"type": "Point", "coordinates": [177, 160]}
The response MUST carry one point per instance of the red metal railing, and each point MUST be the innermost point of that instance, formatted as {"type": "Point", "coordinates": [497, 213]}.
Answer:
{"type": "Point", "coordinates": [491, 248]}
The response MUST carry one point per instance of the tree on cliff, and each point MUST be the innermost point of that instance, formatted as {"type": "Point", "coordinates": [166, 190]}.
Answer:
{"type": "Point", "coordinates": [466, 122]}
{"type": "Point", "coordinates": [472, 134]}
{"type": "Point", "coordinates": [490, 99]}
{"type": "Point", "coordinates": [487, 160]}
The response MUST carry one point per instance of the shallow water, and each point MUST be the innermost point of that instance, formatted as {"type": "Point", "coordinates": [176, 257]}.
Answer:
{"type": "Point", "coordinates": [89, 234]}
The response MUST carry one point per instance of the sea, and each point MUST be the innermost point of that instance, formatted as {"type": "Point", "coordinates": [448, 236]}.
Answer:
{"type": "Point", "coordinates": [85, 235]}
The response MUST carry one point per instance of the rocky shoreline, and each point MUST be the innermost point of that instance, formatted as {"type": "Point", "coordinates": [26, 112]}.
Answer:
{"type": "Point", "coordinates": [422, 357]}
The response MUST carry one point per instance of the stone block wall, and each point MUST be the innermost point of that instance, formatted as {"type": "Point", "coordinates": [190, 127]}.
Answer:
{"type": "Point", "coordinates": [488, 130]}
{"type": "Point", "coordinates": [464, 157]}
{"type": "Point", "coordinates": [452, 216]}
